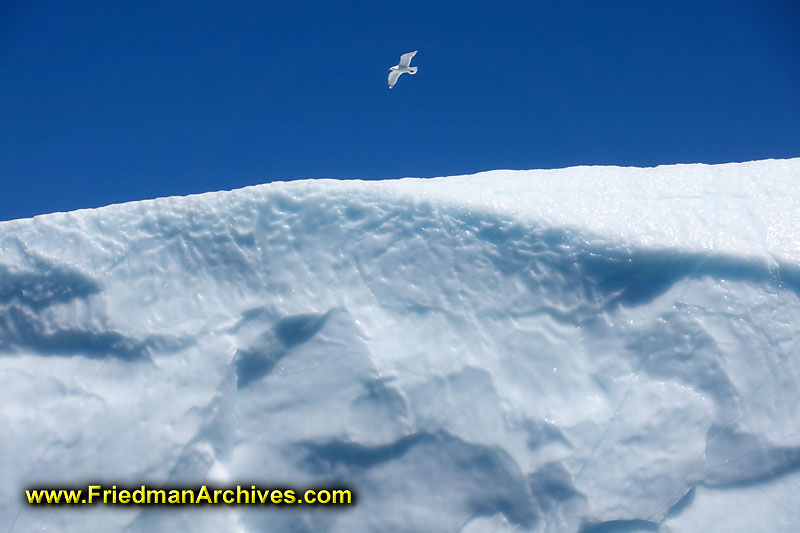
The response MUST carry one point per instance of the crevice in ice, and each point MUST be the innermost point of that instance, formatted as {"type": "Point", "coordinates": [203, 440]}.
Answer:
{"type": "Point", "coordinates": [634, 276]}
{"type": "Point", "coordinates": [43, 283]}
{"type": "Point", "coordinates": [297, 329]}
{"type": "Point", "coordinates": [20, 331]}
{"type": "Point", "coordinates": [259, 358]}
{"type": "Point", "coordinates": [737, 459]}
{"type": "Point", "coordinates": [616, 272]}
{"type": "Point", "coordinates": [324, 458]}
{"type": "Point", "coordinates": [26, 294]}
{"type": "Point", "coordinates": [620, 526]}
{"type": "Point", "coordinates": [490, 481]}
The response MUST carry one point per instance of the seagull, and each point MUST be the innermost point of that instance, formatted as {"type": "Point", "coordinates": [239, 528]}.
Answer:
{"type": "Point", "coordinates": [402, 68]}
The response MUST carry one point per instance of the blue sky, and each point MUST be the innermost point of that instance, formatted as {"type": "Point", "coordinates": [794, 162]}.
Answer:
{"type": "Point", "coordinates": [104, 102]}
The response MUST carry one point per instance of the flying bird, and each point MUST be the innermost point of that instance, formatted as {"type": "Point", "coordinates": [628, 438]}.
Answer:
{"type": "Point", "coordinates": [402, 68]}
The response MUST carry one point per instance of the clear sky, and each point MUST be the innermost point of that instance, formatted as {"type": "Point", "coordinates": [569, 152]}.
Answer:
{"type": "Point", "coordinates": [105, 101]}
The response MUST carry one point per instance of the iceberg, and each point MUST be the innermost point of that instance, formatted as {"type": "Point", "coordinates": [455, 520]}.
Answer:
{"type": "Point", "coordinates": [590, 349]}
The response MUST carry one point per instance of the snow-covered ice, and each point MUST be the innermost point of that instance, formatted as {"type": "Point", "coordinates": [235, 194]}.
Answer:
{"type": "Point", "coordinates": [593, 349]}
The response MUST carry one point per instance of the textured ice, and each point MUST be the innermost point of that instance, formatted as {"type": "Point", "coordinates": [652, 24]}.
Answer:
{"type": "Point", "coordinates": [594, 349]}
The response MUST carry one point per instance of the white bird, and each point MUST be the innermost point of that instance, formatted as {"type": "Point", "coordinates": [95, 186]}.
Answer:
{"type": "Point", "coordinates": [401, 68]}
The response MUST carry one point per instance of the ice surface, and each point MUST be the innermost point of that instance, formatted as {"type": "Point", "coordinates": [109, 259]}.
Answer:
{"type": "Point", "coordinates": [593, 349]}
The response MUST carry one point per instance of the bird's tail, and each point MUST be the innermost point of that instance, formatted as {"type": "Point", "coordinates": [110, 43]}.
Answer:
{"type": "Point", "coordinates": [412, 70]}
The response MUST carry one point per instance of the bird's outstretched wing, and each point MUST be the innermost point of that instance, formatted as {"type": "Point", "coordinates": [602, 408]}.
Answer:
{"type": "Point", "coordinates": [405, 59]}
{"type": "Point", "coordinates": [393, 75]}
